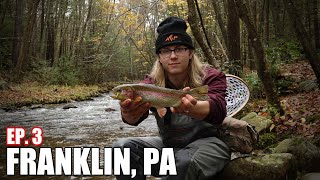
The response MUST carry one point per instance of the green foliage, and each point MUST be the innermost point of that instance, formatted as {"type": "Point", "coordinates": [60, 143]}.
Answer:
{"type": "Point", "coordinates": [266, 140]}
{"type": "Point", "coordinates": [254, 84]}
{"type": "Point", "coordinates": [282, 51]}
{"type": "Point", "coordinates": [64, 73]}
{"type": "Point", "coordinates": [233, 67]}
{"type": "Point", "coordinates": [312, 118]}
{"type": "Point", "coordinates": [284, 85]}
{"type": "Point", "coordinates": [272, 110]}
{"type": "Point", "coordinates": [6, 44]}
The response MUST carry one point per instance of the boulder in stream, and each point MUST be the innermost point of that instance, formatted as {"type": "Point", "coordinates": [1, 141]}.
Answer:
{"type": "Point", "coordinates": [68, 106]}
{"type": "Point", "coordinates": [109, 109]}
{"type": "Point", "coordinates": [36, 106]}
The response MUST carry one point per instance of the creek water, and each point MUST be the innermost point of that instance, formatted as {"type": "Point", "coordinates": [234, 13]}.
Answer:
{"type": "Point", "coordinates": [87, 125]}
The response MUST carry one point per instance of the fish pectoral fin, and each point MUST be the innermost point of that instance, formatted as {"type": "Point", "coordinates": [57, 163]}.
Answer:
{"type": "Point", "coordinates": [161, 112]}
{"type": "Point", "coordinates": [137, 99]}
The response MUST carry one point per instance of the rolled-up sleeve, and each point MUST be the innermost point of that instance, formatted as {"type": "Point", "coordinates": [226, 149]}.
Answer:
{"type": "Point", "coordinates": [217, 86]}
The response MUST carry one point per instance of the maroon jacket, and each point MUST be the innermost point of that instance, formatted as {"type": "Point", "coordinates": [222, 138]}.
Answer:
{"type": "Point", "coordinates": [177, 130]}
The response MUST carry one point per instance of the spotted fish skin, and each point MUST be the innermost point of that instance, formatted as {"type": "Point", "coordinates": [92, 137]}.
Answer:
{"type": "Point", "coordinates": [158, 97]}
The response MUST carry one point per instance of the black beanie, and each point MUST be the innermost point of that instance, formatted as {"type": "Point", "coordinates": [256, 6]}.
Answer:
{"type": "Point", "coordinates": [172, 31]}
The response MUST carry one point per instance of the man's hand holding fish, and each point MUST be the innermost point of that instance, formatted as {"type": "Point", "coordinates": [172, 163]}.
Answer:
{"type": "Point", "coordinates": [191, 107]}
{"type": "Point", "coordinates": [132, 111]}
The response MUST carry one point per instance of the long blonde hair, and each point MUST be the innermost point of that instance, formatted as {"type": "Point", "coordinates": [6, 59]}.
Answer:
{"type": "Point", "coordinates": [196, 73]}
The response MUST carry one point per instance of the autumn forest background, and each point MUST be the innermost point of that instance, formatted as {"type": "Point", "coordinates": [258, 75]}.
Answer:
{"type": "Point", "coordinates": [79, 46]}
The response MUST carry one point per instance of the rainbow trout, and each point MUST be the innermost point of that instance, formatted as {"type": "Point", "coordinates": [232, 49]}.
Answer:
{"type": "Point", "coordinates": [158, 97]}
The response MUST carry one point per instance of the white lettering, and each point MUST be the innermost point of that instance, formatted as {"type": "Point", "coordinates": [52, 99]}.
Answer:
{"type": "Point", "coordinates": [11, 160]}
{"type": "Point", "coordinates": [45, 162]}
{"type": "Point", "coordinates": [63, 161]}
{"type": "Point", "coordinates": [95, 163]}
{"type": "Point", "coordinates": [107, 161]}
{"type": "Point", "coordinates": [167, 162]}
{"type": "Point", "coordinates": [151, 156]}
{"type": "Point", "coordinates": [27, 161]}
{"type": "Point", "coordinates": [80, 161]}
{"type": "Point", "coordinates": [74, 161]}
{"type": "Point", "coordinates": [121, 161]}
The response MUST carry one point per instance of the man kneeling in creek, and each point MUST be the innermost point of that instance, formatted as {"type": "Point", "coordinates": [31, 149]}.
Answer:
{"type": "Point", "coordinates": [190, 128]}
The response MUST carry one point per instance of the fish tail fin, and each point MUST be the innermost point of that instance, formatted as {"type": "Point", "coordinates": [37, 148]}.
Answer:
{"type": "Point", "coordinates": [161, 112]}
{"type": "Point", "coordinates": [200, 93]}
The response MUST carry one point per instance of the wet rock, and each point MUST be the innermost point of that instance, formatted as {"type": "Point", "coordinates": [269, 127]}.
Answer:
{"type": "Point", "coordinates": [68, 106]}
{"type": "Point", "coordinates": [260, 123]}
{"type": "Point", "coordinates": [109, 109]}
{"type": "Point", "coordinates": [2, 110]}
{"type": "Point", "coordinates": [36, 106]}
{"type": "Point", "coordinates": [306, 153]}
{"type": "Point", "coordinates": [7, 109]}
{"type": "Point", "coordinates": [279, 166]}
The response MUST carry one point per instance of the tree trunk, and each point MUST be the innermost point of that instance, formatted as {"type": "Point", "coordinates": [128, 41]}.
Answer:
{"type": "Point", "coordinates": [234, 53]}
{"type": "Point", "coordinates": [266, 25]}
{"type": "Point", "coordinates": [192, 19]}
{"type": "Point", "coordinates": [18, 27]}
{"type": "Point", "coordinates": [304, 38]}
{"type": "Point", "coordinates": [27, 37]}
{"type": "Point", "coordinates": [275, 11]}
{"type": "Point", "coordinates": [3, 8]}
{"type": "Point", "coordinates": [50, 33]}
{"type": "Point", "coordinates": [223, 30]}
{"type": "Point", "coordinates": [316, 28]}
{"type": "Point", "coordinates": [81, 48]}
{"type": "Point", "coordinates": [308, 12]}
{"type": "Point", "coordinates": [58, 31]}
{"type": "Point", "coordinates": [263, 73]}
{"type": "Point", "coordinates": [251, 56]}
{"type": "Point", "coordinates": [42, 41]}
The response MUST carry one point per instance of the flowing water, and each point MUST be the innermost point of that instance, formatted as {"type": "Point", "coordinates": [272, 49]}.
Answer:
{"type": "Point", "coordinates": [88, 125]}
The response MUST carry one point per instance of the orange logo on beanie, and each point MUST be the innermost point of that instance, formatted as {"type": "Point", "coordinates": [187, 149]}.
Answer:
{"type": "Point", "coordinates": [171, 38]}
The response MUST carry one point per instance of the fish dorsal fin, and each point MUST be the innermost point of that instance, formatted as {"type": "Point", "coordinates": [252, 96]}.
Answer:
{"type": "Point", "coordinates": [200, 93]}
{"type": "Point", "coordinates": [200, 90]}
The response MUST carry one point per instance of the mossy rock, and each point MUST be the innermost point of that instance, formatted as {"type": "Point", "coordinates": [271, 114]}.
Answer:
{"type": "Point", "coordinates": [260, 123]}
{"type": "Point", "coordinates": [279, 166]}
{"type": "Point", "coordinates": [267, 140]}
{"type": "Point", "coordinates": [306, 153]}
